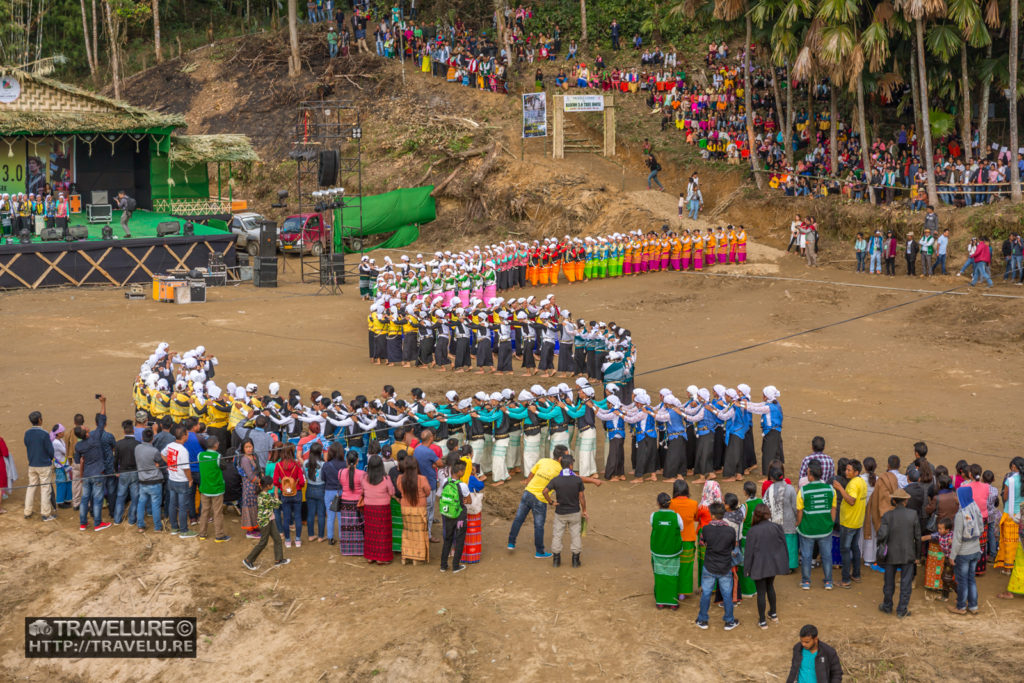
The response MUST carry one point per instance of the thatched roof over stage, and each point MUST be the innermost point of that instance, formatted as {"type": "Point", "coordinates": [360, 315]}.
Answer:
{"type": "Point", "coordinates": [49, 107]}
{"type": "Point", "coordinates": [189, 150]}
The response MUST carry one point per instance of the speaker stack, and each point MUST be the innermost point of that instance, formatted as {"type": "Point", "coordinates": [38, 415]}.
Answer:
{"type": "Point", "coordinates": [264, 272]}
{"type": "Point", "coordinates": [328, 167]}
{"type": "Point", "coordinates": [332, 265]}
{"type": "Point", "coordinates": [268, 239]}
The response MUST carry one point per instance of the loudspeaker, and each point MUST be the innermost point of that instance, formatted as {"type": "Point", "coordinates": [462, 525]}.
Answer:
{"type": "Point", "coordinates": [167, 228]}
{"type": "Point", "coordinates": [328, 174]}
{"type": "Point", "coordinates": [268, 240]}
{"type": "Point", "coordinates": [265, 273]}
{"type": "Point", "coordinates": [49, 235]}
{"type": "Point", "coordinates": [107, 232]}
{"type": "Point", "coordinates": [79, 232]}
{"type": "Point", "coordinates": [189, 229]}
{"type": "Point", "coordinates": [99, 197]}
{"type": "Point", "coordinates": [332, 264]}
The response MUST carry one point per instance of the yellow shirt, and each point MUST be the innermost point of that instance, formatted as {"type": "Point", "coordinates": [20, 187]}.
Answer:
{"type": "Point", "coordinates": [852, 516]}
{"type": "Point", "coordinates": [544, 471]}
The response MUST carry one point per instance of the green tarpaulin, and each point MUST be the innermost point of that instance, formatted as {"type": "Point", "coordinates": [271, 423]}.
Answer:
{"type": "Point", "coordinates": [399, 212]}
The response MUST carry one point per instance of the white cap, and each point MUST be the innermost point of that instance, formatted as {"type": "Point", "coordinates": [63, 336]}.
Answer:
{"type": "Point", "coordinates": [429, 408]}
{"type": "Point", "coordinates": [731, 393]}
{"type": "Point", "coordinates": [465, 403]}
{"type": "Point", "coordinates": [180, 385]}
{"type": "Point", "coordinates": [614, 402]}
{"type": "Point", "coordinates": [537, 390]}
{"type": "Point", "coordinates": [611, 388]}
{"type": "Point", "coordinates": [480, 396]}
{"type": "Point", "coordinates": [274, 387]}
{"type": "Point", "coordinates": [525, 395]}
{"type": "Point", "coordinates": [719, 389]}
{"type": "Point", "coordinates": [451, 395]}
{"type": "Point", "coordinates": [744, 389]}
{"type": "Point", "coordinates": [692, 391]}
{"type": "Point", "coordinates": [239, 392]}
{"type": "Point", "coordinates": [553, 391]}
{"type": "Point", "coordinates": [582, 382]}
{"type": "Point", "coordinates": [496, 396]}
{"type": "Point", "coordinates": [251, 387]}
{"type": "Point", "coordinates": [162, 385]}
{"type": "Point", "coordinates": [704, 394]}
{"type": "Point", "coordinates": [771, 393]}
{"type": "Point", "coordinates": [213, 391]}
{"type": "Point", "coordinates": [587, 391]}
{"type": "Point", "coordinates": [507, 394]}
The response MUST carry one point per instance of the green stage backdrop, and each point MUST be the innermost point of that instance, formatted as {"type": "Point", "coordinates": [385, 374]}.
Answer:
{"type": "Point", "coordinates": [399, 212]}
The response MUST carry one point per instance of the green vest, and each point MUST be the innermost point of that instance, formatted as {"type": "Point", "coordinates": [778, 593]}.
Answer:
{"type": "Point", "coordinates": [817, 519]}
{"type": "Point", "coordinates": [666, 536]}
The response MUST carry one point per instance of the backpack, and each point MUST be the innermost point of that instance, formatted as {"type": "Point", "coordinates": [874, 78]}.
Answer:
{"type": "Point", "coordinates": [130, 204]}
{"type": "Point", "coordinates": [289, 485]}
{"type": "Point", "coordinates": [451, 501]}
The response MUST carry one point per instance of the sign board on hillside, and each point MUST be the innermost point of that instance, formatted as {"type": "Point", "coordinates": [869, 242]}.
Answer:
{"type": "Point", "coordinates": [577, 103]}
{"type": "Point", "coordinates": [535, 115]}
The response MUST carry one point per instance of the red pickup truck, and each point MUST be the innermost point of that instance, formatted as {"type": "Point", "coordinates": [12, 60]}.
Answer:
{"type": "Point", "coordinates": [306, 233]}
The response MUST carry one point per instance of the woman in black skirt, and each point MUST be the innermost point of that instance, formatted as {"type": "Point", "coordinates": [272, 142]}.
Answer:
{"type": "Point", "coordinates": [566, 340]}
{"type": "Point", "coordinates": [410, 326]}
{"type": "Point", "coordinates": [528, 339]}
{"type": "Point", "coordinates": [504, 332]}
{"type": "Point", "coordinates": [425, 339]}
{"type": "Point", "coordinates": [462, 356]}
{"type": "Point", "coordinates": [484, 355]}
{"type": "Point", "coordinates": [444, 335]}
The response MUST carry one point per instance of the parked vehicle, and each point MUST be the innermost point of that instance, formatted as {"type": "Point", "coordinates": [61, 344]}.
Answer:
{"type": "Point", "coordinates": [246, 228]}
{"type": "Point", "coordinates": [305, 233]}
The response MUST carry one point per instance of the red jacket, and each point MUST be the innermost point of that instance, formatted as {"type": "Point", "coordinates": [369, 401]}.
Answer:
{"type": "Point", "coordinates": [983, 253]}
{"type": "Point", "coordinates": [290, 468]}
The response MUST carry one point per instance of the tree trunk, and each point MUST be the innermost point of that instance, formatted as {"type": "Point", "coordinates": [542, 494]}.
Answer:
{"type": "Point", "coordinates": [156, 32]}
{"type": "Point", "coordinates": [503, 36]}
{"type": "Point", "coordinates": [583, 22]}
{"type": "Point", "coordinates": [113, 29]}
{"type": "Point", "coordinates": [833, 118]}
{"type": "Point", "coordinates": [88, 45]}
{"type": "Point", "coordinates": [915, 94]}
{"type": "Point", "coordinates": [783, 116]}
{"type": "Point", "coordinates": [965, 89]}
{"type": "Point", "coordinates": [1015, 193]}
{"type": "Point", "coordinates": [986, 91]}
{"type": "Point", "coordinates": [787, 132]}
{"type": "Point", "coordinates": [95, 36]}
{"type": "Point", "coordinates": [926, 128]}
{"type": "Point", "coordinates": [865, 153]}
{"type": "Point", "coordinates": [748, 106]}
{"type": "Point", "coordinates": [294, 65]}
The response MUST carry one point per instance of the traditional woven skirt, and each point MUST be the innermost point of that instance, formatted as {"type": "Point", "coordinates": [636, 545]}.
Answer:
{"type": "Point", "coordinates": [983, 560]}
{"type": "Point", "coordinates": [686, 567]}
{"type": "Point", "coordinates": [1009, 542]}
{"type": "Point", "coordinates": [474, 539]}
{"type": "Point", "coordinates": [933, 567]}
{"type": "Point", "coordinates": [666, 579]}
{"type": "Point", "coordinates": [396, 526]}
{"type": "Point", "coordinates": [377, 533]}
{"type": "Point", "coordinates": [248, 506]}
{"type": "Point", "coordinates": [350, 540]}
{"type": "Point", "coordinates": [1016, 584]}
{"type": "Point", "coordinates": [415, 540]}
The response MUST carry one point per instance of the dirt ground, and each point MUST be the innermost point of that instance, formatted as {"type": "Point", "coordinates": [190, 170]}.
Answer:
{"type": "Point", "coordinates": [944, 370]}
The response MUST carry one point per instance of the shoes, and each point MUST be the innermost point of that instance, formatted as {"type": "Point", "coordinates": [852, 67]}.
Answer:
{"type": "Point", "coordinates": [828, 586]}
{"type": "Point", "coordinates": [701, 624]}
{"type": "Point", "coordinates": [50, 518]}
{"type": "Point", "coordinates": [174, 532]}
{"type": "Point", "coordinates": [542, 556]}
{"type": "Point", "coordinates": [330, 541]}
{"type": "Point", "coordinates": [955, 610]}
{"type": "Point", "coordinates": [444, 569]}
{"type": "Point", "coordinates": [763, 625]}
{"type": "Point", "coordinates": [298, 543]}
{"type": "Point", "coordinates": [575, 560]}
{"type": "Point", "coordinates": [101, 526]}
{"type": "Point", "coordinates": [458, 569]}
{"type": "Point", "coordinates": [732, 624]}
{"type": "Point", "coordinates": [249, 565]}
{"type": "Point", "coordinates": [222, 539]}
{"type": "Point", "coordinates": [187, 534]}
{"type": "Point", "coordinates": [556, 560]}
{"type": "Point", "coordinates": [287, 544]}
{"type": "Point", "coordinates": [774, 617]}
{"type": "Point", "coordinates": [972, 611]}
{"type": "Point", "coordinates": [252, 534]}
{"type": "Point", "coordinates": [82, 527]}
{"type": "Point", "coordinates": [886, 610]}
{"type": "Point", "coordinates": [285, 561]}
{"type": "Point", "coordinates": [142, 529]}
{"type": "Point", "coordinates": [202, 538]}
{"type": "Point", "coordinates": [511, 546]}
{"type": "Point", "coordinates": [846, 585]}
{"type": "Point", "coordinates": [903, 614]}
{"type": "Point", "coordinates": [806, 585]}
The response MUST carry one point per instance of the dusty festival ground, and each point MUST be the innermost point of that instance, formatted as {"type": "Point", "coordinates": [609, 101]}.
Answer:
{"type": "Point", "coordinates": [945, 370]}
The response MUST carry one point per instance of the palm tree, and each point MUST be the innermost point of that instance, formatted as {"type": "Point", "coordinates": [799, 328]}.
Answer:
{"type": "Point", "coordinates": [583, 23]}
{"type": "Point", "coordinates": [966, 14]}
{"type": "Point", "coordinates": [156, 31]}
{"type": "Point", "coordinates": [294, 65]}
{"type": "Point", "coordinates": [920, 11]}
{"type": "Point", "coordinates": [1015, 193]}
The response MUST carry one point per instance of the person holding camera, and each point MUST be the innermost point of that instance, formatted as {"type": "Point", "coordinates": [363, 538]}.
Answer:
{"type": "Point", "coordinates": [127, 206]}
{"type": "Point", "coordinates": [89, 451]}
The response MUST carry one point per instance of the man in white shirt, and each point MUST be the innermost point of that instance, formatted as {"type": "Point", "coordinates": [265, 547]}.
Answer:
{"type": "Point", "coordinates": [179, 482]}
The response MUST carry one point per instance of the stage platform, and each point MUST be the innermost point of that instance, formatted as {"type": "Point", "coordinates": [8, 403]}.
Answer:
{"type": "Point", "coordinates": [111, 262]}
{"type": "Point", "coordinates": [142, 224]}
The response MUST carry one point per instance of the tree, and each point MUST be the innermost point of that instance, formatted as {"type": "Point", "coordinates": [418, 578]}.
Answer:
{"type": "Point", "coordinates": [1015, 193]}
{"type": "Point", "coordinates": [113, 23]}
{"type": "Point", "coordinates": [583, 22]}
{"type": "Point", "coordinates": [88, 47]}
{"type": "Point", "coordinates": [294, 65]}
{"type": "Point", "coordinates": [156, 32]}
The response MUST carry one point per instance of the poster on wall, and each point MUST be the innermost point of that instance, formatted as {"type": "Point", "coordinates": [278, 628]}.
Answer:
{"type": "Point", "coordinates": [47, 166]}
{"type": "Point", "coordinates": [535, 115]}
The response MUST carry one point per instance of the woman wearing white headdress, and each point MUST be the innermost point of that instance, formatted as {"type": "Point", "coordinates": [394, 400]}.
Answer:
{"type": "Point", "coordinates": [771, 425]}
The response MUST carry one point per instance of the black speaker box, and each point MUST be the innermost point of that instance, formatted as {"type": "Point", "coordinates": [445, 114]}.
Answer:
{"type": "Point", "coordinates": [268, 240]}
{"type": "Point", "coordinates": [332, 263]}
{"type": "Point", "coordinates": [79, 232]}
{"type": "Point", "coordinates": [328, 171]}
{"type": "Point", "coordinates": [167, 228]}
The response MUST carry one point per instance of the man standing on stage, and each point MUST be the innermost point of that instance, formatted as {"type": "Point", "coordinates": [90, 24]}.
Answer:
{"type": "Point", "coordinates": [127, 206]}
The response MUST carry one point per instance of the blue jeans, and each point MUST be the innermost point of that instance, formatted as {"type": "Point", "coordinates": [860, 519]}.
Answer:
{"type": "Point", "coordinates": [1012, 268]}
{"type": "Point", "coordinates": [966, 585]}
{"type": "Point", "coordinates": [127, 482]}
{"type": "Point", "coordinates": [824, 550]}
{"type": "Point", "coordinates": [875, 265]}
{"type": "Point", "coordinates": [707, 587]}
{"type": "Point", "coordinates": [291, 513]}
{"type": "Point", "coordinates": [694, 209]}
{"type": "Point", "coordinates": [380, 48]}
{"type": "Point", "coordinates": [981, 273]}
{"type": "Point", "coordinates": [860, 261]}
{"type": "Point", "coordinates": [653, 178]}
{"type": "Point", "coordinates": [149, 494]}
{"type": "Point", "coordinates": [849, 550]}
{"type": "Point", "coordinates": [315, 510]}
{"type": "Point", "coordinates": [92, 492]}
{"type": "Point", "coordinates": [967, 264]}
{"type": "Point", "coordinates": [177, 505]}
{"type": "Point", "coordinates": [940, 263]}
{"type": "Point", "coordinates": [529, 503]}
{"type": "Point", "coordinates": [332, 48]}
{"type": "Point", "coordinates": [993, 537]}
{"type": "Point", "coordinates": [333, 518]}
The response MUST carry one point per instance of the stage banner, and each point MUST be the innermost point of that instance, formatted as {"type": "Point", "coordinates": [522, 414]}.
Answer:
{"type": "Point", "coordinates": [578, 103]}
{"type": "Point", "coordinates": [12, 166]}
{"type": "Point", "coordinates": [49, 162]}
{"type": "Point", "coordinates": [535, 115]}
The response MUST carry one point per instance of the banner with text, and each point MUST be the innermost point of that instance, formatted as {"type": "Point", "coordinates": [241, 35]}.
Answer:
{"type": "Point", "coordinates": [577, 103]}
{"type": "Point", "coordinates": [535, 115]}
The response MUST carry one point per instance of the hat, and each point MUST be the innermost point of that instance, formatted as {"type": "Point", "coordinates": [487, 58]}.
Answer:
{"type": "Point", "coordinates": [900, 494]}
{"type": "Point", "coordinates": [141, 415]}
